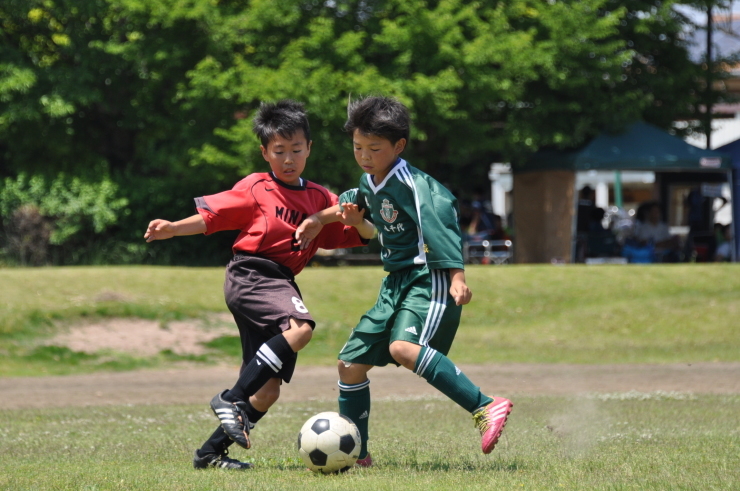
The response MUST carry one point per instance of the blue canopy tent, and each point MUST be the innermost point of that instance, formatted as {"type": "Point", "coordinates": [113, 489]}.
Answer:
{"type": "Point", "coordinates": [733, 149]}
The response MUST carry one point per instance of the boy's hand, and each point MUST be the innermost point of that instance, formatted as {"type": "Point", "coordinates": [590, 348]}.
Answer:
{"type": "Point", "coordinates": [307, 231]}
{"type": "Point", "coordinates": [458, 288]}
{"type": "Point", "coordinates": [159, 230]}
{"type": "Point", "coordinates": [351, 216]}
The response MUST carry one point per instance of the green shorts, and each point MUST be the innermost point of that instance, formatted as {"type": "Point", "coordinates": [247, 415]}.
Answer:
{"type": "Point", "coordinates": [414, 305]}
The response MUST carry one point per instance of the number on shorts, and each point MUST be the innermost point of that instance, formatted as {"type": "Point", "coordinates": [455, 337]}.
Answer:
{"type": "Point", "coordinates": [299, 305]}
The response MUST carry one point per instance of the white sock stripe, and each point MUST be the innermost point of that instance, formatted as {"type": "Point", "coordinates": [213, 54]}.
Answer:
{"type": "Point", "coordinates": [428, 356]}
{"type": "Point", "coordinates": [422, 365]}
{"type": "Point", "coordinates": [267, 362]}
{"type": "Point", "coordinates": [269, 357]}
{"type": "Point", "coordinates": [351, 388]}
{"type": "Point", "coordinates": [420, 368]}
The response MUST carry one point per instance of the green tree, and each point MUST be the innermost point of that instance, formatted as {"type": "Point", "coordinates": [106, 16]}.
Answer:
{"type": "Point", "coordinates": [158, 95]}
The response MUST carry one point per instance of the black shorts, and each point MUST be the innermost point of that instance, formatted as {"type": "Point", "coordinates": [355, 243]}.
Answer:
{"type": "Point", "coordinates": [263, 296]}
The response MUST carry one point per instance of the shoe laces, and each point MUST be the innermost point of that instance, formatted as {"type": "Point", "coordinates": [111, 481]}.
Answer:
{"type": "Point", "coordinates": [481, 421]}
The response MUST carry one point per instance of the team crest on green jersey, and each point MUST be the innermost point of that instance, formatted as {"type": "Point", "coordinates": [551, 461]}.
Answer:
{"type": "Point", "coordinates": [387, 212]}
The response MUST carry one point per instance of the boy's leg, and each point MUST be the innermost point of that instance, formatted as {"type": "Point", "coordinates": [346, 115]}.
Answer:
{"type": "Point", "coordinates": [366, 347]}
{"type": "Point", "coordinates": [256, 407]}
{"type": "Point", "coordinates": [354, 398]}
{"type": "Point", "coordinates": [429, 305]}
{"type": "Point", "coordinates": [274, 359]}
{"type": "Point", "coordinates": [266, 303]}
{"type": "Point", "coordinates": [441, 373]}
{"type": "Point", "coordinates": [273, 322]}
{"type": "Point", "coordinates": [490, 414]}
{"type": "Point", "coordinates": [278, 351]}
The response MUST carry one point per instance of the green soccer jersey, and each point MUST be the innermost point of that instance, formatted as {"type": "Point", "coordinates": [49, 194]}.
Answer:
{"type": "Point", "coordinates": [416, 218]}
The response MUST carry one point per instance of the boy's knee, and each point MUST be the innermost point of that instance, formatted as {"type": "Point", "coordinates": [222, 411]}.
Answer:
{"type": "Point", "coordinates": [405, 353]}
{"type": "Point", "coordinates": [352, 373]}
{"type": "Point", "coordinates": [343, 367]}
{"type": "Point", "coordinates": [299, 334]}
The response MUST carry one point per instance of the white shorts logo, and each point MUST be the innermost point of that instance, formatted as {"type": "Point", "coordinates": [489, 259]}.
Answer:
{"type": "Point", "coordinates": [299, 305]}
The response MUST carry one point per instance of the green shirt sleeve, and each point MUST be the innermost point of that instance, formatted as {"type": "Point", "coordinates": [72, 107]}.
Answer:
{"type": "Point", "coordinates": [354, 196]}
{"type": "Point", "coordinates": [439, 224]}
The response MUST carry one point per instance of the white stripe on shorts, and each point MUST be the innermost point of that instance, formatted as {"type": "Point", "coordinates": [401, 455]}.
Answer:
{"type": "Point", "coordinates": [437, 306]}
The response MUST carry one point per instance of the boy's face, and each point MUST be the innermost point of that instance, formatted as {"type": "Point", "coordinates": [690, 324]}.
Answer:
{"type": "Point", "coordinates": [375, 154]}
{"type": "Point", "coordinates": [287, 157]}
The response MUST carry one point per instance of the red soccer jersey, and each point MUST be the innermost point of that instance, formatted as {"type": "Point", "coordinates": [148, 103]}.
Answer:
{"type": "Point", "coordinates": [268, 211]}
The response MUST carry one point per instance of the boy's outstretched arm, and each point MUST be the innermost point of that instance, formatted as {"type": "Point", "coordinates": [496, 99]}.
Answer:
{"type": "Point", "coordinates": [351, 216]}
{"type": "Point", "coordinates": [458, 288]}
{"type": "Point", "coordinates": [163, 229]}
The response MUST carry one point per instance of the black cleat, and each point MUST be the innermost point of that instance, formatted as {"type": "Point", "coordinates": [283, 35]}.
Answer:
{"type": "Point", "coordinates": [219, 462]}
{"type": "Point", "coordinates": [233, 418]}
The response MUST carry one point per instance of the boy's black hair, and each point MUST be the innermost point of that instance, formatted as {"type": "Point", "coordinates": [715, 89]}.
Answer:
{"type": "Point", "coordinates": [380, 116]}
{"type": "Point", "coordinates": [282, 118]}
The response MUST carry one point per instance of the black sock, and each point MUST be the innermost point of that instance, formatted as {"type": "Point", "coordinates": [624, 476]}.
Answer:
{"type": "Point", "coordinates": [253, 414]}
{"type": "Point", "coordinates": [265, 365]}
{"type": "Point", "coordinates": [219, 441]}
{"type": "Point", "coordinates": [217, 444]}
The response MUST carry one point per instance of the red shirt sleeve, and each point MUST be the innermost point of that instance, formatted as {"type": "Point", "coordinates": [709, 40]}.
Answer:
{"type": "Point", "coordinates": [339, 236]}
{"type": "Point", "coordinates": [228, 210]}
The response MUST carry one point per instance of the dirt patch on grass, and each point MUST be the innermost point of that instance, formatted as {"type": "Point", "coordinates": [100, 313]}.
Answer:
{"type": "Point", "coordinates": [198, 384]}
{"type": "Point", "coordinates": [145, 337]}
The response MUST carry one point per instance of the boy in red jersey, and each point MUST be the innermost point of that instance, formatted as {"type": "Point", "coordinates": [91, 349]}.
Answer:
{"type": "Point", "coordinates": [260, 290]}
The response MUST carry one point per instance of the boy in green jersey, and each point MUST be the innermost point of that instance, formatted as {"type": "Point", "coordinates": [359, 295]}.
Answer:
{"type": "Point", "coordinates": [416, 316]}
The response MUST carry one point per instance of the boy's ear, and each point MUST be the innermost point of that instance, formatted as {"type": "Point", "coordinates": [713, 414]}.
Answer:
{"type": "Point", "coordinates": [399, 146]}
{"type": "Point", "coordinates": [264, 152]}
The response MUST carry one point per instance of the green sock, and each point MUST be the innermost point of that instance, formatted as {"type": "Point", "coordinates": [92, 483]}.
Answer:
{"type": "Point", "coordinates": [354, 402]}
{"type": "Point", "coordinates": [444, 376]}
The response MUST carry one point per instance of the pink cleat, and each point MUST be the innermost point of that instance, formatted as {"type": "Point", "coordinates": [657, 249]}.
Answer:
{"type": "Point", "coordinates": [491, 420]}
{"type": "Point", "coordinates": [366, 462]}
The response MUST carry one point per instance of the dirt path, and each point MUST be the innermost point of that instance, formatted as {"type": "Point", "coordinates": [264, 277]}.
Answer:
{"type": "Point", "coordinates": [197, 385]}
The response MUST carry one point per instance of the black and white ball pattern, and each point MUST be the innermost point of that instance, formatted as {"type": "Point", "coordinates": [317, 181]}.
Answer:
{"type": "Point", "coordinates": [329, 442]}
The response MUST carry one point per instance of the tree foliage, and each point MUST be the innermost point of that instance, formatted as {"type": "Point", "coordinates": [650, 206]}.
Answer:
{"type": "Point", "coordinates": [158, 95]}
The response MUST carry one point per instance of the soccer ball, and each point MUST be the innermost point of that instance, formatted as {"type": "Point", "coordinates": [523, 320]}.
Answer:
{"type": "Point", "coordinates": [329, 442]}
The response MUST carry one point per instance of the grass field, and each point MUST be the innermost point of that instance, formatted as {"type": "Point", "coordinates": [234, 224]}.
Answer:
{"type": "Point", "coordinates": [577, 314]}
{"type": "Point", "coordinates": [623, 441]}
{"type": "Point", "coordinates": [617, 442]}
